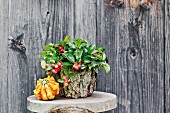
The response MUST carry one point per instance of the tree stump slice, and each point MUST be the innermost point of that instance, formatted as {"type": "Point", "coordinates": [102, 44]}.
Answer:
{"type": "Point", "coordinates": [71, 110]}
{"type": "Point", "coordinates": [98, 102]}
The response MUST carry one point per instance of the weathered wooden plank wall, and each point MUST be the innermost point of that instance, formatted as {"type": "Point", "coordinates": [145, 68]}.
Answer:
{"type": "Point", "coordinates": [167, 55]}
{"type": "Point", "coordinates": [136, 55]}
{"type": "Point", "coordinates": [3, 55]}
{"type": "Point", "coordinates": [139, 76]}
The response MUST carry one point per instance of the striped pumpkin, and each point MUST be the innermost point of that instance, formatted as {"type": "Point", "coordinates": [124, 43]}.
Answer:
{"type": "Point", "coordinates": [46, 89]}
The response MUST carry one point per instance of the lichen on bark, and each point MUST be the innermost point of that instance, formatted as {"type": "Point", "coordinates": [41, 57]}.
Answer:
{"type": "Point", "coordinates": [82, 84]}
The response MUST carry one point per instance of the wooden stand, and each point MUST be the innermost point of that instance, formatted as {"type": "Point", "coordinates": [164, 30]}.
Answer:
{"type": "Point", "coordinates": [98, 102]}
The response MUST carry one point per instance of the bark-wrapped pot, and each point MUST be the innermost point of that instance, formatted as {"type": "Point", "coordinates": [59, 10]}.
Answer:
{"type": "Point", "coordinates": [76, 64]}
{"type": "Point", "coordinates": [82, 84]}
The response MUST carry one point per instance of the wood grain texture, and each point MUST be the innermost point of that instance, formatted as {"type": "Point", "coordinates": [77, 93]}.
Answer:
{"type": "Point", "coordinates": [3, 56]}
{"type": "Point", "coordinates": [136, 41]}
{"type": "Point", "coordinates": [27, 28]}
{"type": "Point", "coordinates": [167, 56]}
{"type": "Point", "coordinates": [85, 19]}
{"type": "Point", "coordinates": [136, 54]}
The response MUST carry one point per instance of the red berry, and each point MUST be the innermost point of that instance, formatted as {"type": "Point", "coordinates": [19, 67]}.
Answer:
{"type": "Point", "coordinates": [66, 80]}
{"type": "Point", "coordinates": [56, 66]}
{"type": "Point", "coordinates": [54, 71]}
{"type": "Point", "coordinates": [79, 66]}
{"type": "Point", "coordinates": [60, 47]}
{"type": "Point", "coordinates": [53, 65]}
{"type": "Point", "coordinates": [76, 67]}
{"type": "Point", "coordinates": [59, 64]}
{"type": "Point", "coordinates": [46, 65]}
{"type": "Point", "coordinates": [95, 53]}
{"type": "Point", "coordinates": [57, 69]}
{"type": "Point", "coordinates": [64, 77]}
{"type": "Point", "coordinates": [62, 50]}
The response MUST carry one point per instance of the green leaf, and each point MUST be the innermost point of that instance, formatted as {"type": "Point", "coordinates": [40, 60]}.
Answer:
{"type": "Point", "coordinates": [96, 69]}
{"type": "Point", "coordinates": [77, 42]}
{"type": "Point", "coordinates": [70, 75]}
{"type": "Point", "coordinates": [85, 50]}
{"type": "Point", "coordinates": [61, 43]}
{"type": "Point", "coordinates": [94, 64]}
{"type": "Point", "coordinates": [103, 56]}
{"type": "Point", "coordinates": [65, 67]}
{"type": "Point", "coordinates": [66, 72]}
{"type": "Point", "coordinates": [79, 60]}
{"type": "Point", "coordinates": [83, 66]}
{"type": "Point", "coordinates": [83, 45]}
{"type": "Point", "coordinates": [53, 50]}
{"type": "Point", "coordinates": [39, 58]}
{"type": "Point", "coordinates": [99, 57]}
{"type": "Point", "coordinates": [67, 64]}
{"type": "Point", "coordinates": [49, 68]}
{"type": "Point", "coordinates": [55, 58]}
{"type": "Point", "coordinates": [43, 64]}
{"type": "Point", "coordinates": [47, 47]}
{"type": "Point", "coordinates": [99, 49]}
{"type": "Point", "coordinates": [78, 54]}
{"type": "Point", "coordinates": [51, 61]}
{"type": "Point", "coordinates": [43, 53]}
{"type": "Point", "coordinates": [60, 80]}
{"type": "Point", "coordinates": [106, 67]}
{"type": "Point", "coordinates": [50, 44]}
{"type": "Point", "coordinates": [71, 45]}
{"type": "Point", "coordinates": [91, 49]}
{"type": "Point", "coordinates": [70, 51]}
{"type": "Point", "coordinates": [92, 57]}
{"type": "Point", "coordinates": [67, 39]}
{"type": "Point", "coordinates": [70, 57]}
{"type": "Point", "coordinates": [86, 60]}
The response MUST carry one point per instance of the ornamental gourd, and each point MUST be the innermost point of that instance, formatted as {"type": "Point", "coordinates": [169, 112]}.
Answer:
{"type": "Point", "coordinates": [46, 89]}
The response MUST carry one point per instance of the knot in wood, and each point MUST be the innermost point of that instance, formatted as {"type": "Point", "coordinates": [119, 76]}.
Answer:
{"type": "Point", "coordinates": [133, 53]}
{"type": "Point", "coordinates": [17, 43]}
{"type": "Point", "coordinates": [115, 3]}
{"type": "Point", "coordinates": [146, 5]}
{"type": "Point", "coordinates": [48, 12]}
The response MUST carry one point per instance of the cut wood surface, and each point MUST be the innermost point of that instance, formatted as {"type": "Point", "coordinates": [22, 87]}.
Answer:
{"type": "Point", "coordinates": [98, 102]}
{"type": "Point", "coordinates": [137, 43]}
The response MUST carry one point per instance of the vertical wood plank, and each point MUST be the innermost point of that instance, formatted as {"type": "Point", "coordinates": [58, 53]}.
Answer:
{"type": "Point", "coordinates": [35, 23]}
{"type": "Point", "coordinates": [112, 34]}
{"type": "Point", "coordinates": [3, 56]}
{"type": "Point", "coordinates": [136, 55]}
{"type": "Point", "coordinates": [85, 20]}
{"type": "Point", "coordinates": [152, 43]}
{"type": "Point", "coordinates": [167, 56]}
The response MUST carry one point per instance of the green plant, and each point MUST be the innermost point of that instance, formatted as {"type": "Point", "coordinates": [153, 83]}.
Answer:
{"type": "Point", "coordinates": [68, 57]}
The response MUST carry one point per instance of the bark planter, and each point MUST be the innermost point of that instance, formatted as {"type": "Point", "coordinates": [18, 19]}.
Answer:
{"type": "Point", "coordinates": [82, 84]}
